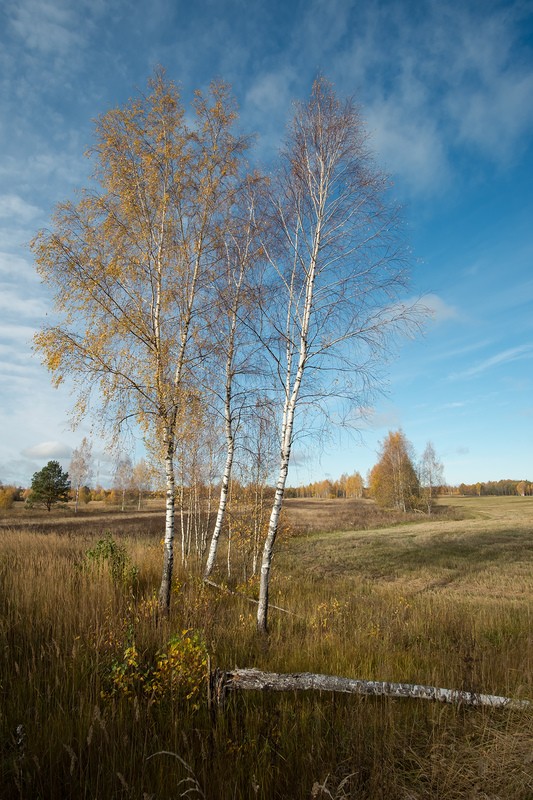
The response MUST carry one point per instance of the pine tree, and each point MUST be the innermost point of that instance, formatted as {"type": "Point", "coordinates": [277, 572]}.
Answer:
{"type": "Point", "coordinates": [50, 485]}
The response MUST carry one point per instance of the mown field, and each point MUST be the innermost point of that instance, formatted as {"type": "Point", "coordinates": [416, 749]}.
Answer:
{"type": "Point", "coordinates": [101, 698]}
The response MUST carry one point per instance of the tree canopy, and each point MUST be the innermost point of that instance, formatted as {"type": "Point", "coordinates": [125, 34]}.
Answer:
{"type": "Point", "coordinates": [394, 482]}
{"type": "Point", "coordinates": [50, 485]}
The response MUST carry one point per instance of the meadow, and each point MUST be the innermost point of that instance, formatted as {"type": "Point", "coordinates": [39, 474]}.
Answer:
{"type": "Point", "coordinates": [103, 698]}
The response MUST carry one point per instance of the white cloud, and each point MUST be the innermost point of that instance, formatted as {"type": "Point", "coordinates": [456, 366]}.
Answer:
{"type": "Point", "coordinates": [18, 304]}
{"type": "Point", "coordinates": [408, 143]}
{"type": "Point", "coordinates": [457, 78]}
{"type": "Point", "coordinates": [47, 27]}
{"type": "Point", "coordinates": [519, 353]}
{"type": "Point", "coordinates": [16, 333]}
{"type": "Point", "coordinates": [48, 450]}
{"type": "Point", "coordinates": [440, 310]}
{"type": "Point", "coordinates": [17, 471]}
{"type": "Point", "coordinates": [14, 207]}
{"type": "Point", "coordinates": [47, 168]}
{"type": "Point", "coordinates": [323, 26]}
{"type": "Point", "coordinates": [17, 268]}
{"type": "Point", "coordinates": [368, 418]}
{"type": "Point", "coordinates": [489, 86]}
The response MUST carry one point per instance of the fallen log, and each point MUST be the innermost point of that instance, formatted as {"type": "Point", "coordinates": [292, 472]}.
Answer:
{"type": "Point", "coordinates": [222, 682]}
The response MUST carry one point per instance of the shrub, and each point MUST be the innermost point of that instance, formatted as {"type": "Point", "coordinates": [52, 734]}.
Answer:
{"type": "Point", "coordinates": [108, 551]}
{"type": "Point", "coordinates": [180, 671]}
{"type": "Point", "coordinates": [8, 495]}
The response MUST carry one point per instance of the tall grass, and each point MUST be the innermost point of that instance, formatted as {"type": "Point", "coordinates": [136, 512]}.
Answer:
{"type": "Point", "coordinates": [82, 716]}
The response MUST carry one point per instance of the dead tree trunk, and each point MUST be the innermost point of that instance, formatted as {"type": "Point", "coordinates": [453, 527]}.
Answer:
{"type": "Point", "coordinates": [222, 682]}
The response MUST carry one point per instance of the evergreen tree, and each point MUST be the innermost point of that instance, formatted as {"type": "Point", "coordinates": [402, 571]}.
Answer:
{"type": "Point", "coordinates": [50, 485]}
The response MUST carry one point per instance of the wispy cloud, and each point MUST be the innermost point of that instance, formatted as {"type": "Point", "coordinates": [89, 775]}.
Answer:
{"type": "Point", "coordinates": [368, 418]}
{"type": "Point", "coordinates": [460, 78]}
{"type": "Point", "coordinates": [16, 268]}
{"type": "Point", "coordinates": [49, 28]}
{"type": "Point", "coordinates": [408, 145]}
{"type": "Point", "coordinates": [13, 206]}
{"type": "Point", "coordinates": [17, 305]}
{"type": "Point", "coordinates": [453, 405]}
{"type": "Point", "coordinates": [439, 310]}
{"type": "Point", "coordinates": [519, 353]}
{"type": "Point", "coordinates": [48, 450]}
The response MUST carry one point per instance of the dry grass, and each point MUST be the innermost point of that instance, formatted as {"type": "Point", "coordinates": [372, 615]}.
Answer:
{"type": "Point", "coordinates": [441, 602]}
{"type": "Point", "coordinates": [308, 515]}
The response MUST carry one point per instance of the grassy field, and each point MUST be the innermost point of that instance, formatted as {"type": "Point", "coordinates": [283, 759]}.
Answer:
{"type": "Point", "coordinates": [101, 698]}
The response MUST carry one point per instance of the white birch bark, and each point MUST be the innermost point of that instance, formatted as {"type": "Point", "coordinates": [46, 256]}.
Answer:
{"type": "Point", "coordinates": [80, 468]}
{"type": "Point", "coordinates": [230, 452]}
{"type": "Point", "coordinates": [256, 680]}
{"type": "Point", "coordinates": [168, 554]}
{"type": "Point", "coordinates": [242, 256]}
{"type": "Point", "coordinates": [292, 391]}
{"type": "Point", "coordinates": [223, 501]}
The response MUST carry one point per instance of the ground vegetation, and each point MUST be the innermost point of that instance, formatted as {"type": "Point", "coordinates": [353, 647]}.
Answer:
{"type": "Point", "coordinates": [109, 698]}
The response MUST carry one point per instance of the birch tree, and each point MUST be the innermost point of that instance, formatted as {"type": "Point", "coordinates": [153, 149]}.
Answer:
{"type": "Point", "coordinates": [338, 265]}
{"type": "Point", "coordinates": [240, 252]}
{"type": "Point", "coordinates": [132, 264]}
{"type": "Point", "coordinates": [394, 482]}
{"type": "Point", "coordinates": [141, 480]}
{"type": "Point", "coordinates": [122, 479]}
{"type": "Point", "coordinates": [80, 469]}
{"type": "Point", "coordinates": [431, 475]}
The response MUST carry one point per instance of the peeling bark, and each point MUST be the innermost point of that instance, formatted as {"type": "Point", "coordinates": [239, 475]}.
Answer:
{"type": "Point", "coordinates": [255, 680]}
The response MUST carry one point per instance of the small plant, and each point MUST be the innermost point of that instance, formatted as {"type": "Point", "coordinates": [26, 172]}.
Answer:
{"type": "Point", "coordinates": [328, 614]}
{"type": "Point", "coordinates": [180, 671]}
{"type": "Point", "coordinates": [127, 676]}
{"type": "Point", "coordinates": [108, 551]}
{"type": "Point", "coordinates": [334, 793]}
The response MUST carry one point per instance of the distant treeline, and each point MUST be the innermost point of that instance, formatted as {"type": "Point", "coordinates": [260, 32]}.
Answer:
{"type": "Point", "coordinates": [503, 487]}
{"type": "Point", "coordinates": [343, 487]}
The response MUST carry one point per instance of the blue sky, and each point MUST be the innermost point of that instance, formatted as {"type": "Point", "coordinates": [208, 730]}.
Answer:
{"type": "Point", "coordinates": [447, 95]}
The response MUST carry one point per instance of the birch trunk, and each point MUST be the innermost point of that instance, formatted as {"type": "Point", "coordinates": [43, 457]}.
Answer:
{"type": "Point", "coordinates": [224, 492]}
{"type": "Point", "coordinates": [168, 554]}
{"type": "Point", "coordinates": [288, 425]}
{"type": "Point", "coordinates": [268, 549]}
{"type": "Point", "coordinates": [256, 680]}
{"type": "Point", "coordinates": [228, 415]}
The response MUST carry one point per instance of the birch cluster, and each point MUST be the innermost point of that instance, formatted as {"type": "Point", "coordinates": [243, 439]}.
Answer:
{"type": "Point", "coordinates": [219, 309]}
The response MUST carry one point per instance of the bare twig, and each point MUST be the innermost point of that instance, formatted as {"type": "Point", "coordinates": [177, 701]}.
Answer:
{"type": "Point", "coordinates": [243, 597]}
